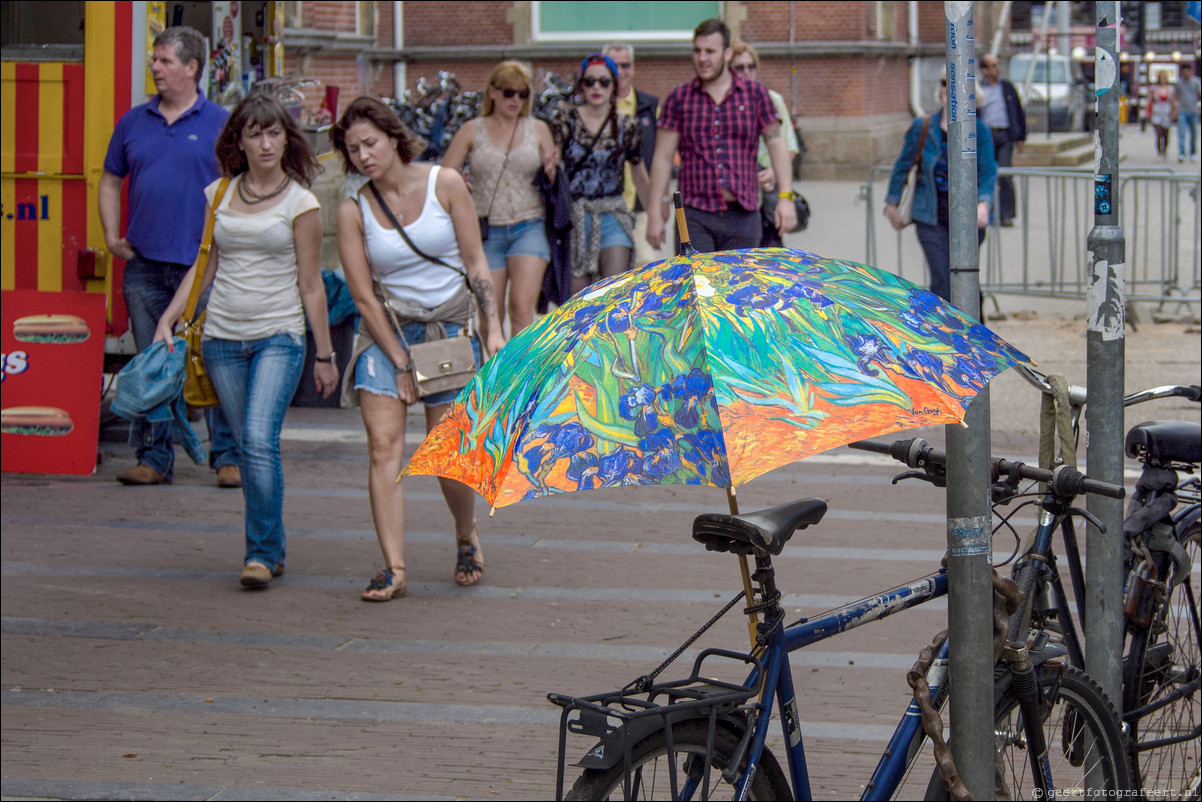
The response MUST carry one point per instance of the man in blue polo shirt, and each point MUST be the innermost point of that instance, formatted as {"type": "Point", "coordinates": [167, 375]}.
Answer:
{"type": "Point", "coordinates": [166, 147]}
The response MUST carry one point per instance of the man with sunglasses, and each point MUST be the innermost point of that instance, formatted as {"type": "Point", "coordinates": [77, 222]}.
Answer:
{"type": "Point", "coordinates": [640, 106]}
{"type": "Point", "coordinates": [716, 121]}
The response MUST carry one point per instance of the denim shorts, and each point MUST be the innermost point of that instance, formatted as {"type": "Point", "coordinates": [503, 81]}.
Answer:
{"type": "Point", "coordinates": [375, 373]}
{"type": "Point", "coordinates": [612, 235]}
{"type": "Point", "coordinates": [526, 238]}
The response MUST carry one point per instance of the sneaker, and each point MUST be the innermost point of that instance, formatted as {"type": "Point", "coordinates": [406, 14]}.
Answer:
{"type": "Point", "coordinates": [1180, 158]}
{"type": "Point", "coordinates": [142, 475]}
{"type": "Point", "coordinates": [1193, 157]}
{"type": "Point", "coordinates": [255, 575]}
{"type": "Point", "coordinates": [229, 476]}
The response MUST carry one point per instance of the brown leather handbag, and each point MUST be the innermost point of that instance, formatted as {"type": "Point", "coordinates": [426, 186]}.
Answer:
{"type": "Point", "coordinates": [198, 387]}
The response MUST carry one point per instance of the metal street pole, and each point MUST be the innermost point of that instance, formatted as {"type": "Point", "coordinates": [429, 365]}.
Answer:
{"type": "Point", "coordinates": [970, 586]}
{"type": "Point", "coordinates": [1106, 304]}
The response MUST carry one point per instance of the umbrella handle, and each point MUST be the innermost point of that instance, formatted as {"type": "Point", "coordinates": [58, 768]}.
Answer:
{"type": "Point", "coordinates": [732, 502]}
{"type": "Point", "coordinates": [682, 226]}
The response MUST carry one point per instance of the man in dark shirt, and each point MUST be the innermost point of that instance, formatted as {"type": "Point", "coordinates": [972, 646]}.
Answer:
{"type": "Point", "coordinates": [716, 121]}
{"type": "Point", "coordinates": [998, 107]}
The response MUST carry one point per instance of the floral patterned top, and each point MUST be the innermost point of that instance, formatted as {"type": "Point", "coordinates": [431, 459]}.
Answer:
{"type": "Point", "coordinates": [595, 163]}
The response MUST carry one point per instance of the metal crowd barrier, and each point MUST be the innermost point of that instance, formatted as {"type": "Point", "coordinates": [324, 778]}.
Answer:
{"type": "Point", "coordinates": [1044, 253]}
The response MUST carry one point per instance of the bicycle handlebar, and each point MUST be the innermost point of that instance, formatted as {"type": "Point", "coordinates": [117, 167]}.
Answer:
{"type": "Point", "coordinates": [1078, 395]}
{"type": "Point", "coordinates": [1062, 481]}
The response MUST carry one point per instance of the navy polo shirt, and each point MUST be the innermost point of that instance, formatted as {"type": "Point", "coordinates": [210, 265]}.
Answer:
{"type": "Point", "coordinates": [169, 167]}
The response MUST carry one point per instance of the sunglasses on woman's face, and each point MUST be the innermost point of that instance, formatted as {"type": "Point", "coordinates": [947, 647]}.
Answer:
{"type": "Point", "coordinates": [510, 93]}
{"type": "Point", "coordinates": [743, 68]}
{"type": "Point", "coordinates": [590, 82]}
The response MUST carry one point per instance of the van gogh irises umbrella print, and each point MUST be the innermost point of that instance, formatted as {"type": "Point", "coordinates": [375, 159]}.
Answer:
{"type": "Point", "coordinates": [709, 369]}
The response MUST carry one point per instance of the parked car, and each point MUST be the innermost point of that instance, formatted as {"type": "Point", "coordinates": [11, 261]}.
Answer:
{"type": "Point", "coordinates": [1059, 75]}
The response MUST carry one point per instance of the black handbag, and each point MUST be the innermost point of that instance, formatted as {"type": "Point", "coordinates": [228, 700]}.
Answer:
{"type": "Point", "coordinates": [484, 217]}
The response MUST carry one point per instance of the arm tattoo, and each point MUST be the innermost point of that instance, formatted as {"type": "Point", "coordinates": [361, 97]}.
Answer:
{"type": "Point", "coordinates": [486, 295]}
{"type": "Point", "coordinates": [774, 134]}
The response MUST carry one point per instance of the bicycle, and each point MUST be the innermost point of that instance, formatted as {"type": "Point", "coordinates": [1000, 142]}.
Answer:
{"type": "Point", "coordinates": [1160, 674]}
{"type": "Point", "coordinates": [1054, 727]}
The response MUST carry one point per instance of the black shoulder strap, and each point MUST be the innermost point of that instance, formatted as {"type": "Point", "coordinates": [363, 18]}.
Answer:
{"type": "Point", "coordinates": [395, 224]}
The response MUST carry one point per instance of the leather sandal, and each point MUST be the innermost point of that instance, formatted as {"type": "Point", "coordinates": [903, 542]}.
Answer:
{"type": "Point", "coordinates": [468, 568]}
{"type": "Point", "coordinates": [389, 584]}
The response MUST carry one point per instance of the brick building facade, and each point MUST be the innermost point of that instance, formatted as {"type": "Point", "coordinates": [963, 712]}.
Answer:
{"type": "Point", "coordinates": [843, 67]}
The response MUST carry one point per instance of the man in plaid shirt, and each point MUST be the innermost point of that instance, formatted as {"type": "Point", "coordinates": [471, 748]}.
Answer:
{"type": "Point", "coordinates": [716, 120]}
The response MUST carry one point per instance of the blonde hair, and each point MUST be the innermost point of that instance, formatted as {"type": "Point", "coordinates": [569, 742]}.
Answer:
{"type": "Point", "coordinates": [739, 47]}
{"type": "Point", "coordinates": [508, 75]}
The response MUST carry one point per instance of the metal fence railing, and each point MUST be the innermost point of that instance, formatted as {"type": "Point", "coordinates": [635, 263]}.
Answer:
{"type": "Point", "coordinates": [1044, 254]}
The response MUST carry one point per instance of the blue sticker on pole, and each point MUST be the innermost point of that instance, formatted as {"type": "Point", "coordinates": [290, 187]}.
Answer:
{"type": "Point", "coordinates": [968, 537]}
{"type": "Point", "coordinates": [1102, 186]}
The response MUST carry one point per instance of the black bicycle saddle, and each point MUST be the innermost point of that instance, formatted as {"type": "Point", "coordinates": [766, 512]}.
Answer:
{"type": "Point", "coordinates": [1166, 441]}
{"type": "Point", "coordinates": [767, 530]}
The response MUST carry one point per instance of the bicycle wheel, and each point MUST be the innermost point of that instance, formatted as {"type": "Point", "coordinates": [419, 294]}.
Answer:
{"type": "Point", "coordinates": [650, 768]}
{"type": "Point", "coordinates": [1086, 749]}
{"type": "Point", "coordinates": [1162, 660]}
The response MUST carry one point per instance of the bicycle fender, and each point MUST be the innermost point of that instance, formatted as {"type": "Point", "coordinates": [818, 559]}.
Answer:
{"type": "Point", "coordinates": [608, 752]}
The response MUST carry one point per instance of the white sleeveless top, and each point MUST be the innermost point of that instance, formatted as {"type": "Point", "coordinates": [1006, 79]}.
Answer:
{"type": "Point", "coordinates": [404, 274]}
{"type": "Point", "coordinates": [255, 293]}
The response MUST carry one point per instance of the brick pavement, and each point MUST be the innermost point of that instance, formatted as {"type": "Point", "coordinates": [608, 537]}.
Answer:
{"type": "Point", "coordinates": [134, 667]}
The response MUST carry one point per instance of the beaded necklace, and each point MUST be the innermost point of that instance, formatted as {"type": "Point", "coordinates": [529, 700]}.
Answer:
{"type": "Point", "coordinates": [243, 190]}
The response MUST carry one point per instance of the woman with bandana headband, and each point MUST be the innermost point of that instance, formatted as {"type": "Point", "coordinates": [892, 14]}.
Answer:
{"type": "Point", "coordinates": [597, 144]}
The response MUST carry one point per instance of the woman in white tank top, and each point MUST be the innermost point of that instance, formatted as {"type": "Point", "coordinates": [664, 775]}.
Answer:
{"type": "Point", "coordinates": [506, 147]}
{"type": "Point", "coordinates": [438, 216]}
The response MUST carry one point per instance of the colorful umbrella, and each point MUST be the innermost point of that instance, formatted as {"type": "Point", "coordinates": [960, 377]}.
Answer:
{"type": "Point", "coordinates": [709, 369]}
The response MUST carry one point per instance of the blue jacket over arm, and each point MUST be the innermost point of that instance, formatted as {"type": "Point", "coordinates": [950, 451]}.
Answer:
{"type": "Point", "coordinates": [926, 205]}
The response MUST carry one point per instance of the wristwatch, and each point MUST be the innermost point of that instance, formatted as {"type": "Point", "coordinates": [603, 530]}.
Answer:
{"type": "Point", "coordinates": [329, 358]}
{"type": "Point", "coordinates": [787, 194]}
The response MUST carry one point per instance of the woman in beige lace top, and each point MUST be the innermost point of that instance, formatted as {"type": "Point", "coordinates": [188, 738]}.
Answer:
{"type": "Point", "coordinates": [505, 149]}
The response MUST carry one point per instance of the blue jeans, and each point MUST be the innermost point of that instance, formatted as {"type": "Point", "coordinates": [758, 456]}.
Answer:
{"type": "Point", "coordinates": [1187, 122]}
{"type": "Point", "coordinates": [936, 245]}
{"type": "Point", "coordinates": [149, 287]}
{"type": "Point", "coordinates": [255, 380]}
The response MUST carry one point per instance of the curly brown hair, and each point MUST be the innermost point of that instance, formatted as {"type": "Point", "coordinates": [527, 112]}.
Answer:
{"type": "Point", "coordinates": [260, 110]}
{"type": "Point", "coordinates": [372, 110]}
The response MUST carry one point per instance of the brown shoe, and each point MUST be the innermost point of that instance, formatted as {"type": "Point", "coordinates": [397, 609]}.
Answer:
{"type": "Point", "coordinates": [142, 475]}
{"type": "Point", "coordinates": [255, 575]}
{"type": "Point", "coordinates": [229, 476]}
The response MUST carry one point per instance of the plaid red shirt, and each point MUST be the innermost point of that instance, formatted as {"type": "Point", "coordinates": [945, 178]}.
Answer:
{"type": "Point", "coordinates": [718, 141]}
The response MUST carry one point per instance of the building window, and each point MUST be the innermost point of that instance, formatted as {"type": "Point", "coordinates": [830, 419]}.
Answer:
{"type": "Point", "coordinates": [885, 20]}
{"type": "Point", "coordinates": [292, 13]}
{"type": "Point", "coordinates": [553, 21]}
{"type": "Point", "coordinates": [365, 18]}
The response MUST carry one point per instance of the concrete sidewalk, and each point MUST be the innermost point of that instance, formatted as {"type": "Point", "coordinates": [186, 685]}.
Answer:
{"type": "Point", "coordinates": [134, 667]}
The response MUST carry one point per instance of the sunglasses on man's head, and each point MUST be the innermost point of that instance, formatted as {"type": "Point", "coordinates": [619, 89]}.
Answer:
{"type": "Point", "coordinates": [509, 93]}
{"type": "Point", "coordinates": [590, 82]}
{"type": "Point", "coordinates": [743, 67]}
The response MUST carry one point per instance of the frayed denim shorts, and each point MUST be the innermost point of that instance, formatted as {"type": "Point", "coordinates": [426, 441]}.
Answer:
{"type": "Point", "coordinates": [527, 238]}
{"type": "Point", "coordinates": [612, 233]}
{"type": "Point", "coordinates": [375, 373]}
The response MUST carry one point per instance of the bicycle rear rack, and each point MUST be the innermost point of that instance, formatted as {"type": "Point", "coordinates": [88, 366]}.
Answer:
{"type": "Point", "coordinates": [621, 719]}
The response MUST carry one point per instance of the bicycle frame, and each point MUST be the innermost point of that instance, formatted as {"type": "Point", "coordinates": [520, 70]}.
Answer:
{"type": "Point", "coordinates": [779, 689]}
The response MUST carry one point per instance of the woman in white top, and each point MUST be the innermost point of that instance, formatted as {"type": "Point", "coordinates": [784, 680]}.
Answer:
{"type": "Point", "coordinates": [431, 301]}
{"type": "Point", "coordinates": [265, 268]}
{"type": "Point", "coordinates": [506, 147]}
